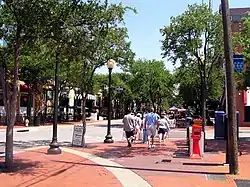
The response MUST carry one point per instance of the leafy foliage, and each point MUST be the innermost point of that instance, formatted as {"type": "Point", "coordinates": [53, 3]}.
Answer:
{"type": "Point", "coordinates": [194, 39]}
{"type": "Point", "coordinates": [151, 82]}
{"type": "Point", "coordinates": [242, 40]}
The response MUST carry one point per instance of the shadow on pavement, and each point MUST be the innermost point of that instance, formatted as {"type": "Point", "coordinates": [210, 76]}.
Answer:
{"type": "Point", "coordinates": [120, 151]}
{"type": "Point", "coordinates": [35, 143]}
{"type": "Point", "coordinates": [220, 146]}
{"type": "Point", "coordinates": [118, 125]}
{"type": "Point", "coordinates": [21, 166]}
{"type": "Point", "coordinates": [147, 169]}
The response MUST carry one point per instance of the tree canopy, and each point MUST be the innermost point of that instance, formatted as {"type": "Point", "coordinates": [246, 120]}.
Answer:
{"type": "Point", "coordinates": [194, 39]}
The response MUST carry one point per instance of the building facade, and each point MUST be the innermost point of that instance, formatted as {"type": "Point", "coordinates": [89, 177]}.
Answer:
{"type": "Point", "coordinates": [242, 96]}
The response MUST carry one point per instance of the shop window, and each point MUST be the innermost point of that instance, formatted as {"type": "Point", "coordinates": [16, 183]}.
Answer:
{"type": "Point", "coordinates": [49, 95]}
{"type": "Point", "coordinates": [24, 101]}
{"type": "Point", "coordinates": [247, 113]}
{"type": "Point", "coordinates": [1, 99]}
{"type": "Point", "coordinates": [236, 18]}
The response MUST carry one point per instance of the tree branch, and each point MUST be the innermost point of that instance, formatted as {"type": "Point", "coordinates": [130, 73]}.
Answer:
{"type": "Point", "coordinates": [211, 66]}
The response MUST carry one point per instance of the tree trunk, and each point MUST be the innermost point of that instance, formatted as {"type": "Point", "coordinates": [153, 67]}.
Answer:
{"type": "Point", "coordinates": [9, 131]}
{"type": "Point", "coordinates": [6, 91]}
{"type": "Point", "coordinates": [37, 109]}
{"type": "Point", "coordinates": [29, 106]}
{"type": "Point", "coordinates": [84, 96]}
{"type": "Point", "coordinates": [18, 115]}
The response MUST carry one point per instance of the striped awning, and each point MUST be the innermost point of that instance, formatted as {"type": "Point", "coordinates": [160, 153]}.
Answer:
{"type": "Point", "coordinates": [89, 97]}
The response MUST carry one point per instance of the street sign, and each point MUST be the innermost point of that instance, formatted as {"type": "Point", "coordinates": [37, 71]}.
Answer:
{"type": "Point", "coordinates": [238, 60]}
{"type": "Point", "coordinates": [119, 88]}
{"type": "Point", "coordinates": [77, 135]}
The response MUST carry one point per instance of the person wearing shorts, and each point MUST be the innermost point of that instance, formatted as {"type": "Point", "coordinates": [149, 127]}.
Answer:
{"type": "Point", "coordinates": [151, 125]}
{"type": "Point", "coordinates": [129, 124]}
{"type": "Point", "coordinates": [163, 128]}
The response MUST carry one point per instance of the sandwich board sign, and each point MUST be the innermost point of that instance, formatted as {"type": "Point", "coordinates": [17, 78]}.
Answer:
{"type": "Point", "coordinates": [77, 135]}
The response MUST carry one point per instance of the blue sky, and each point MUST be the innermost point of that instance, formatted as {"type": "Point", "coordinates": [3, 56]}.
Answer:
{"type": "Point", "coordinates": [143, 27]}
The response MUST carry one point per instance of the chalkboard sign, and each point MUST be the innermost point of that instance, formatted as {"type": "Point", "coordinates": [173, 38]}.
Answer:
{"type": "Point", "coordinates": [77, 135]}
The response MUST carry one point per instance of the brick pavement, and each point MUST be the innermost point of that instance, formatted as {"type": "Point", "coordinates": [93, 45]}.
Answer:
{"type": "Point", "coordinates": [37, 169]}
{"type": "Point", "coordinates": [169, 164]}
{"type": "Point", "coordinates": [166, 165]}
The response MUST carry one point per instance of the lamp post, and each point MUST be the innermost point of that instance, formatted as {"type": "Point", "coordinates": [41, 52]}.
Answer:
{"type": "Point", "coordinates": [203, 92]}
{"type": "Point", "coordinates": [203, 96]}
{"type": "Point", "coordinates": [108, 137]}
{"type": "Point", "coordinates": [54, 146]}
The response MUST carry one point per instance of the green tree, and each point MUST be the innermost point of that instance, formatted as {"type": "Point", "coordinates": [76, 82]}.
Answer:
{"type": "Point", "coordinates": [121, 98]}
{"type": "Point", "coordinates": [189, 85]}
{"type": "Point", "coordinates": [151, 82]}
{"type": "Point", "coordinates": [21, 22]}
{"type": "Point", "coordinates": [97, 34]}
{"type": "Point", "coordinates": [36, 69]}
{"type": "Point", "coordinates": [195, 39]}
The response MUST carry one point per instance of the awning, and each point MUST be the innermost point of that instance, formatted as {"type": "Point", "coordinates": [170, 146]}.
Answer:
{"type": "Point", "coordinates": [89, 97]}
{"type": "Point", "coordinates": [24, 87]}
{"type": "Point", "coordinates": [173, 108]}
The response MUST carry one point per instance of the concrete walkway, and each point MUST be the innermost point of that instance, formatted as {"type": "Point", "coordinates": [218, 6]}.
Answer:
{"type": "Point", "coordinates": [125, 176]}
{"type": "Point", "coordinates": [33, 167]}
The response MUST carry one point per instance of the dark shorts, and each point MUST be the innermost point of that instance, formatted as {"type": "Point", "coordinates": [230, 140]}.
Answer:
{"type": "Point", "coordinates": [129, 133]}
{"type": "Point", "coordinates": [162, 131]}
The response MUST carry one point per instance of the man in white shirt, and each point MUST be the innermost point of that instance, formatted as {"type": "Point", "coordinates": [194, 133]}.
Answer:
{"type": "Point", "coordinates": [138, 126]}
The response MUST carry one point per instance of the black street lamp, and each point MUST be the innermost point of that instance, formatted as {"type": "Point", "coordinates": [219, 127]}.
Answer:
{"type": "Point", "coordinates": [108, 137]}
{"type": "Point", "coordinates": [54, 146]}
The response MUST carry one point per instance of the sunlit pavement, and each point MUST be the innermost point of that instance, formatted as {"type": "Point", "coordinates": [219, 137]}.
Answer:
{"type": "Point", "coordinates": [168, 163]}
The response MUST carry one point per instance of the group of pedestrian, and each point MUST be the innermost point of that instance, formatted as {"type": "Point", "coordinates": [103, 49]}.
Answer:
{"type": "Point", "coordinates": [151, 125]}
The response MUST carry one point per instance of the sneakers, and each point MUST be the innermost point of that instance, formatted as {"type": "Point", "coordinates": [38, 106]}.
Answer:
{"type": "Point", "coordinates": [130, 141]}
{"type": "Point", "coordinates": [151, 146]}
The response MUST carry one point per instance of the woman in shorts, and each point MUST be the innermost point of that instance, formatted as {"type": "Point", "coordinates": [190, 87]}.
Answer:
{"type": "Point", "coordinates": [163, 128]}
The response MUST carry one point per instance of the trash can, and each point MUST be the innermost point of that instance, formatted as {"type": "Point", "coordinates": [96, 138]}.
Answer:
{"type": "Point", "coordinates": [220, 125]}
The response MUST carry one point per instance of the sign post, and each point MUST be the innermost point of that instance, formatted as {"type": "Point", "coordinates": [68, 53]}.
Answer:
{"type": "Point", "coordinates": [238, 62]}
{"type": "Point", "coordinates": [77, 136]}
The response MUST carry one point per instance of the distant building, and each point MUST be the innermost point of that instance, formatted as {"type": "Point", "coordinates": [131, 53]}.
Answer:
{"type": "Point", "coordinates": [242, 96]}
{"type": "Point", "coordinates": [236, 18]}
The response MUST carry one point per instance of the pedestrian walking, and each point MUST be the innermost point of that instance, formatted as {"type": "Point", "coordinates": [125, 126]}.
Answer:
{"type": "Point", "coordinates": [138, 126]}
{"type": "Point", "coordinates": [151, 120]}
{"type": "Point", "coordinates": [129, 125]}
{"type": "Point", "coordinates": [163, 128]}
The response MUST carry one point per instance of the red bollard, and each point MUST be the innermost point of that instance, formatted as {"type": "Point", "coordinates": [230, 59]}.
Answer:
{"type": "Point", "coordinates": [196, 137]}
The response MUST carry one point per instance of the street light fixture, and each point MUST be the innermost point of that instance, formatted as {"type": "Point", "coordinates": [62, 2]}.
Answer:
{"type": "Point", "coordinates": [108, 137]}
{"type": "Point", "coordinates": [54, 146]}
{"type": "Point", "coordinates": [202, 59]}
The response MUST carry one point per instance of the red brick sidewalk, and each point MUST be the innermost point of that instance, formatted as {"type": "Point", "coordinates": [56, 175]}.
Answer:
{"type": "Point", "coordinates": [168, 164]}
{"type": "Point", "coordinates": [37, 169]}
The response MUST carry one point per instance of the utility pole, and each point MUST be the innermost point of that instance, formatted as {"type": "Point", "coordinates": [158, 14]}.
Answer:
{"type": "Point", "coordinates": [232, 127]}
